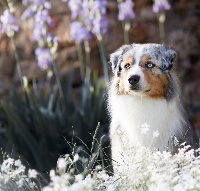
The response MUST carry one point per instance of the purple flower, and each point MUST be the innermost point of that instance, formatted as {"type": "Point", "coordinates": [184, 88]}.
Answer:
{"type": "Point", "coordinates": [52, 39]}
{"type": "Point", "coordinates": [42, 17]}
{"type": "Point", "coordinates": [44, 59]}
{"type": "Point", "coordinates": [100, 5]}
{"type": "Point", "coordinates": [28, 13]}
{"type": "Point", "coordinates": [38, 31]}
{"type": "Point", "coordinates": [37, 3]}
{"type": "Point", "coordinates": [75, 7]}
{"type": "Point", "coordinates": [160, 5]}
{"type": "Point", "coordinates": [99, 22]}
{"type": "Point", "coordinates": [100, 26]}
{"type": "Point", "coordinates": [38, 9]}
{"type": "Point", "coordinates": [25, 2]}
{"type": "Point", "coordinates": [78, 32]}
{"type": "Point", "coordinates": [8, 22]}
{"type": "Point", "coordinates": [126, 10]}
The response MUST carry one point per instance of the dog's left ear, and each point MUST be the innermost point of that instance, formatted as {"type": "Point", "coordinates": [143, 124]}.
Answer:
{"type": "Point", "coordinates": [170, 60]}
{"type": "Point", "coordinates": [116, 57]}
{"type": "Point", "coordinates": [172, 56]}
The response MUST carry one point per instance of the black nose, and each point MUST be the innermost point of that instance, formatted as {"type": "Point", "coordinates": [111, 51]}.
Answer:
{"type": "Point", "coordinates": [133, 80]}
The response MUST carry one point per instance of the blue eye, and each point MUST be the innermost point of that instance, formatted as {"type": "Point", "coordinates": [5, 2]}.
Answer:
{"type": "Point", "coordinates": [127, 66]}
{"type": "Point", "coordinates": [149, 65]}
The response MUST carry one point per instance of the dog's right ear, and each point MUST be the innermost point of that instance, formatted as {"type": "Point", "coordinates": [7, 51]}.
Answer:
{"type": "Point", "coordinates": [116, 57]}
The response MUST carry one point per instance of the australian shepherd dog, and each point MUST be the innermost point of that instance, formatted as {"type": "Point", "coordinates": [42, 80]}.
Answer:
{"type": "Point", "coordinates": [144, 97]}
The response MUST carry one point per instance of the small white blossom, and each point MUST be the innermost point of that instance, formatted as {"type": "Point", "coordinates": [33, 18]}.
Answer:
{"type": "Point", "coordinates": [98, 167]}
{"type": "Point", "coordinates": [18, 163]}
{"type": "Point", "coordinates": [76, 157]}
{"type": "Point", "coordinates": [20, 183]}
{"type": "Point", "coordinates": [144, 128]}
{"type": "Point", "coordinates": [79, 178]}
{"type": "Point", "coordinates": [32, 185]}
{"type": "Point", "coordinates": [47, 188]}
{"type": "Point", "coordinates": [52, 173]}
{"type": "Point", "coordinates": [176, 141]}
{"type": "Point", "coordinates": [61, 164]}
{"type": "Point", "coordinates": [155, 134]}
{"type": "Point", "coordinates": [32, 173]}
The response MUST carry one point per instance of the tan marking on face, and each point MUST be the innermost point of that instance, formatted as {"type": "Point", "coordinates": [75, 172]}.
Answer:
{"type": "Point", "coordinates": [121, 90]}
{"type": "Point", "coordinates": [121, 82]}
{"type": "Point", "coordinates": [158, 84]}
{"type": "Point", "coordinates": [145, 58]}
{"type": "Point", "coordinates": [130, 60]}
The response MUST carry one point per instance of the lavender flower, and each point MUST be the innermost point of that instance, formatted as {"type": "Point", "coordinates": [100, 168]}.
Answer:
{"type": "Point", "coordinates": [38, 9]}
{"type": "Point", "coordinates": [100, 5]}
{"type": "Point", "coordinates": [28, 13]}
{"type": "Point", "coordinates": [43, 57]}
{"type": "Point", "coordinates": [78, 32]}
{"type": "Point", "coordinates": [38, 31]}
{"type": "Point", "coordinates": [160, 5]}
{"type": "Point", "coordinates": [8, 22]}
{"type": "Point", "coordinates": [37, 3]}
{"type": "Point", "coordinates": [100, 23]}
{"type": "Point", "coordinates": [42, 17]}
{"type": "Point", "coordinates": [52, 39]}
{"type": "Point", "coordinates": [100, 26]}
{"type": "Point", "coordinates": [126, 10]}
{"type": "Point", "coordinates": [75, 7]}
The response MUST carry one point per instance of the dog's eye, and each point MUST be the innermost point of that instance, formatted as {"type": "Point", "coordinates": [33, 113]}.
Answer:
{"type": "Point", "coordinates": [149, 65]}
{"type": "Point", "coordinates": [127, 66]}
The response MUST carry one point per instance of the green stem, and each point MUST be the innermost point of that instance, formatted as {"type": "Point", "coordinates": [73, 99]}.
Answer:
{"type": "Point", "coordinates": [161, 22]}
{"type": "Point", "coordinates": [103, 56]}
{"type": "Point", "coordinates": [19, 68]}
{"type": "Point", "coordinates": [126, 28]}
{"type": "Point", "coordinates": [88, 62]}
{"type": "Point", "coordinates": [49, 75]}
{"type": "Point", "coordinates": [20, 74]}
{"type": "Point", "coordinates": [80, 58]}
{"type": "Point", "coordinates": [58, 81]}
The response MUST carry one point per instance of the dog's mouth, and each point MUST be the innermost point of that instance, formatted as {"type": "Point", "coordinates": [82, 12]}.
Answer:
{"type": "Point", "coordinates": [139, 89]}
{"type": "Point", "coordinates": [148, 90]}
{"type": "Point", "coordinates": [135, 88]}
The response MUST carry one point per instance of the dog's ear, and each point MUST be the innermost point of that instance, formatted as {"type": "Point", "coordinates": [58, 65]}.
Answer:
{"type": "Point", "coordinates": [172, 56]}
{"type": "Point", "coordinates": [116, 57]}
{"type": "Point", "coordinates": [170, 60]}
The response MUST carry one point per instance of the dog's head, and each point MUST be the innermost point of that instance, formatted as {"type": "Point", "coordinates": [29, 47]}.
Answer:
{"type": "Point", "coordinates": [144, 69]}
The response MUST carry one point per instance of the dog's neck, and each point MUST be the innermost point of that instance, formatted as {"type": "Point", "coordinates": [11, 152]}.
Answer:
{"type": "Point", "coordinates": [132, 112]}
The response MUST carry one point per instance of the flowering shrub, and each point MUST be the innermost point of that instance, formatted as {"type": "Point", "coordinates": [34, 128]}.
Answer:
{"type": "Point", "coordinates": [88, 17]}
{"type": "Point", "coordinates": [15, 176]}
{"type": "Point", "coordinates": [146, 170]}
{"type": "Point", "coordinates": [153, 170]}
{"type": "Point", "coordinates": [38, 12]}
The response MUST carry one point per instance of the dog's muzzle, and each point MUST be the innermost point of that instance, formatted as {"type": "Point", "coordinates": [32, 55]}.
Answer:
{"type": "Point", "coordinates": [133, 81]}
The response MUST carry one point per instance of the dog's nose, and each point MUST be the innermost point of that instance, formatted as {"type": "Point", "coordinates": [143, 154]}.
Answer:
{"type": "Point", "coordinates": [133, 80]}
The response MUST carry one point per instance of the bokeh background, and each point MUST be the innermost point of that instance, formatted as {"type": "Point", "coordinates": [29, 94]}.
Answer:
{"type": "Point", "coordinates": [182, 34]}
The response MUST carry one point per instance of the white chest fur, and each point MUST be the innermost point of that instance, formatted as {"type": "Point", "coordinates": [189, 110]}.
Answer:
{"type": "Point", "coordinates": [130, 113]}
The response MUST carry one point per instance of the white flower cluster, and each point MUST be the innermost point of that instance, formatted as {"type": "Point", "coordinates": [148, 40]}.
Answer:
{"type": "Point", "coordinates": [66, 181]}
{"type": "Point", "coordinates": [155, 171]}
{"type": "Point", "coordinates": [147, 170]}
{"type": "Point", "coordinates": [13, 176]}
